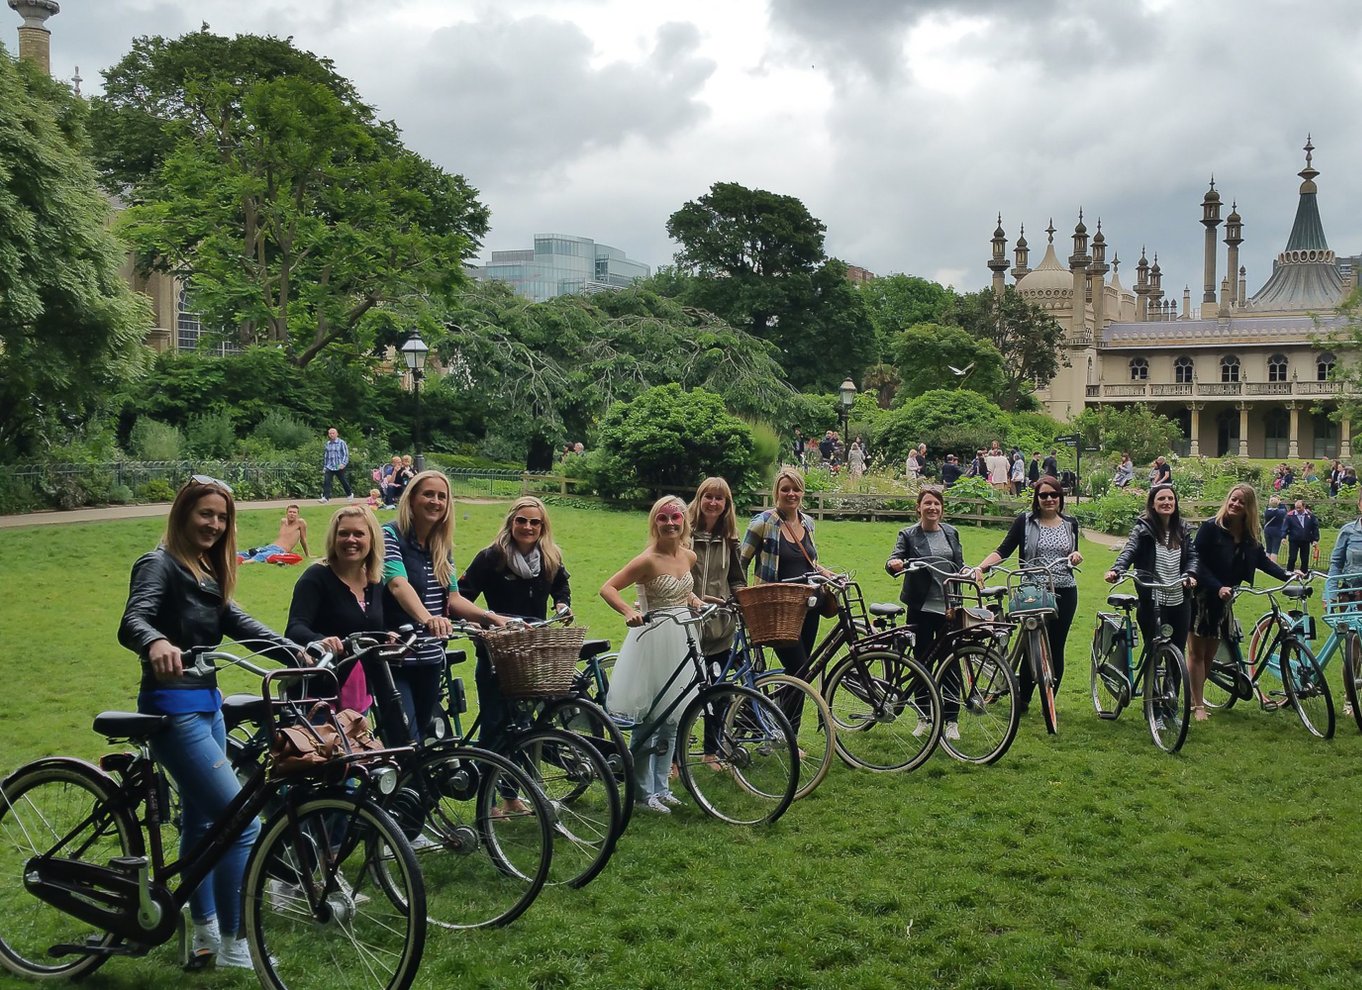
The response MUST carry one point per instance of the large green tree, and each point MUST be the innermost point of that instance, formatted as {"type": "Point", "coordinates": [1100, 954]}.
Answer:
{"type": "Point", "coordinates": [300, 219]}
{"type": "Point", "coordinates": [1027, 337]}
{"type": "Point", "coordinates": [69, 325]}
{"type": "Point", "coordinates": [929, 356]}
{"type": "Point", "coordinates": [896, 302]}
{"type": "Point", "coordinates": [756, 259]}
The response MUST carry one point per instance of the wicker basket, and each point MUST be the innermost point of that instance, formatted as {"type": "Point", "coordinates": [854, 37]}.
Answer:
{"type": "Point", "coordinates": [774, 613]}
{"type": "Point", "coordinates": [536, 662]}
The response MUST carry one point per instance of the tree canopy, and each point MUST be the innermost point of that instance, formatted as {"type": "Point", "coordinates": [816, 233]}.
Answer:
{"type": "Point", "coordinates": [929, 356]}
{"type": "Point", "coordinates": [69, 325]}
{"type": "Point", "coordinates": [299, 219]}
{"type": "Point", "coordinates": [1027, 337]}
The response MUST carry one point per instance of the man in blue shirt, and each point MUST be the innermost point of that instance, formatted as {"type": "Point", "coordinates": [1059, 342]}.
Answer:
{"type": "Point", "coordinates": [334, 462]}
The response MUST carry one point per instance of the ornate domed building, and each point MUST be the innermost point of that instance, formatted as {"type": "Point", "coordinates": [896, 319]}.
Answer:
{"type": "Point", "coordinates": [1243, 375]}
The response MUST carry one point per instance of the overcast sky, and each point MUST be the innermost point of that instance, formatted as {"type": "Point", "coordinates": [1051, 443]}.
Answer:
{"type": "Point", "coordinates": [904, 125]}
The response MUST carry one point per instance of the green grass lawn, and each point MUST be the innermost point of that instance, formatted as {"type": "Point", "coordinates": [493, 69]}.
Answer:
{"type": "Point", "coordinates": [1086, 859]}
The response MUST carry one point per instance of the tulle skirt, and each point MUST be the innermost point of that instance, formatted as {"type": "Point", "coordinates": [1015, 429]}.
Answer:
{"type": "Point", "coordinates": [648, 658]}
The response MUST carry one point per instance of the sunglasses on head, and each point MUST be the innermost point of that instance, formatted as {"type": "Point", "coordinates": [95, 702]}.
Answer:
{"type": "Point", "coordinates": [671, 517]}
{"type": "Point", "coordinates": [203, 479]}
{"type": "Point", "coordinates": [522, 521]}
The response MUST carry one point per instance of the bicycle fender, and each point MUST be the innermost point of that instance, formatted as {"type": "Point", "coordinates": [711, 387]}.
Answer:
{"type": "Point", "coordinates": [68, 762]}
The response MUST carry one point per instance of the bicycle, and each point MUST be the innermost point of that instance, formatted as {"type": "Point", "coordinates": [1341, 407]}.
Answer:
{"type": "Point", "coordinates": [1343, 615]}
{"type": "Point", "coordinates": [84, 876]}
{"type": "Point", "coordinates": [1290, 676]}
{"type": "Point", "coordinates": [756, 774]}
{"type": "Point", "coordinates": [1030, 602]}
{"type": "Point", "coordinates": [1159, 676]}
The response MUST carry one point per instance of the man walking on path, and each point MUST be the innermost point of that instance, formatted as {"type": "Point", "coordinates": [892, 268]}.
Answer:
{"type": "Point", "coordinates": [334, 463]}
{"type": "Point", "coordinates": [1302, 531]}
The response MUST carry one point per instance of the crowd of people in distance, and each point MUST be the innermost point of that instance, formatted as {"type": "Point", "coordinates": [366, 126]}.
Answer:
{"type": "Point", "coordinates": [830, 452]}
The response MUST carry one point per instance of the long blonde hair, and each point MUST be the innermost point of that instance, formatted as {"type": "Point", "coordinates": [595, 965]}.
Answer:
{"type": "Point", "coordinates": [221, 557]}
{"type": "Point", "coordinates": [727, 526]}
{"type": "Point", "coordinates": [550, 557]}
{"type": "Point", "coordinates": [1252, 527]}
{"type": "Point", "coordinates": [373, 563]}
{"type": "Point", "coordinates": [440, 541]}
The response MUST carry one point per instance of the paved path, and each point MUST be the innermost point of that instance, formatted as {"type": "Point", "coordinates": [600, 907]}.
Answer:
{"type": "Point", "coordinates": [55, 517]}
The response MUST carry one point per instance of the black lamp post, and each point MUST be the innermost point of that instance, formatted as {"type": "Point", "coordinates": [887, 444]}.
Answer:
{"type": "Point", "coordinates": [414, 353]}
{"type": "Point", "coordinates": [846, 398]}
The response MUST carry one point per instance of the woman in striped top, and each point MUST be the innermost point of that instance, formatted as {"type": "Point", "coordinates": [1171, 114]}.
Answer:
{"type": "Point", "coordinates": [1160, 550]}
{"type": "Point", "coordinates": [420, 586]}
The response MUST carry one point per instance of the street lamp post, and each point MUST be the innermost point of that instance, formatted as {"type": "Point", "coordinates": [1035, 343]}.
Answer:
{"type": "Point", "coordinates": [414, 353]}
{"type": "Point", "coordinates": [846, 398]}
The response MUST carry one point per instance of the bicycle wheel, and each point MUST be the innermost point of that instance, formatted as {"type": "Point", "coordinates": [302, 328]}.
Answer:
{"type": "Point", "coordinates": [1307, 690]}
{"type": "Point", "coordinates": [979, 704]}
{"type": "Point", "coordinates": [1107, 678]}
{"type": "Point", "coordinates": [585, 718]}
{"type": "Point", "coordinates": [1221, 689]}
{"type": "Point", "coordinates": [59, 808]}
{"type": "Point", "coordinates": [1038, 651]}
{"type": "Point", "coordinates": [584, 809]}
{"type": "Point", "coordinates": [816, 737]}
{"type": "Point", "coordinates": [1265, 665]}
{"type": "Point", "coordinates": [316, 917]}
{"type": "Point", "coordinates": [886, 711]}
{"type": "Point", "coordinates": [483, 866]}
{"type": "Point", "coordinates": [1352, 675]}
{"type": "Point", "coordinates": [1167, 697]}
{"type": "Point", "coordinates": [757, 774]}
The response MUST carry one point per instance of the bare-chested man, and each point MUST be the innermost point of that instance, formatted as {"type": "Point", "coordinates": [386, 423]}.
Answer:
{"type": "Point", "coordinates": [292, 533]}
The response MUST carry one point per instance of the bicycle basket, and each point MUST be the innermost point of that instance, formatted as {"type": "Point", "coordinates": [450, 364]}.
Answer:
{"type": "Point", "coordinates": [538, 662]}
{"type": "Point", "coordinates": [1111, 632]}
{"type": "Point", "coordinates": [1030, 598]}
{"type": "Point", "coordinates": [774, 613]}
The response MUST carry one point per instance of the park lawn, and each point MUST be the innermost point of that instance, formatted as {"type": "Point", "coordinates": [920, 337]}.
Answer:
{"type": "Point", "coordinates": [1085, 859]}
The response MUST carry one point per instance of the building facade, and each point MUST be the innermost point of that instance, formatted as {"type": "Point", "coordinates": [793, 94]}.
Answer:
{"type": "Point", "coordinates": [560, 265]}
{"type": "Point", "coordinates": [1243, 374]}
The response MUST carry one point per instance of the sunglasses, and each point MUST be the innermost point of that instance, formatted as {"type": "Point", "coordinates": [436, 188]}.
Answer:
{"type": "Point", "coordinates": [522, 521]}
{"type": "Point", "coordinates": [203, 479]}
{"type": "Point", "coordinates": [1048, 495]}
{"type": "Point", "coordinates": [671, 517]}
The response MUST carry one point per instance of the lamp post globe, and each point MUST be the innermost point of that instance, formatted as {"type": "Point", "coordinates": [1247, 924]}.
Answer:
{"type": "Point", "coordinates": [846, 398]}
{"type": "Point", "coordinates": [414, 353]}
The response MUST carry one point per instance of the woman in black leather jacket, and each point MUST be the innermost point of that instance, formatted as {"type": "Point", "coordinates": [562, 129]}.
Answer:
{"type": "Point", "coordinates": [1160, 550]}
{"type": "Point", "coordinates": [181, 597]}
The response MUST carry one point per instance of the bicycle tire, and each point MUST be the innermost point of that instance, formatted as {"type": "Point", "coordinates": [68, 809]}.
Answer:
{"type": "Point", "coordinates": [1352, 675]}
{"type": "Point", "coordinates": [585, 718]}
{"type": "Point", "coordinates": [1108, 683]}
{"type": "Point", "coordinates": [483, 867]}
{"type": "Point", "coordinates": [1265, 665]}
{"type": "Point", "coordinates": [584, 809]}
{"type": "Point", "coordinates": [361, 934]}
{"type": "Point", "coordinates": [816, 738]}
{"type": "Point", "coordinates": [1167, 697]}
{"type": "Point", "coordinates": [1307, 690]}
{"type": "Point", "coordinates": [758, 771]}
{"type": "Point", "coordinates": [77, 801]}
{"type": "Point", "coordinates": [977, 680]}
{"type": "Point", "coordinates": [877, 699]}
{"type": "Point", "coordinates": [1038, 654]}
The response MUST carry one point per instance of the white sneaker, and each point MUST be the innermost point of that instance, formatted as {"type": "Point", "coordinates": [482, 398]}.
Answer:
{"type": "Point", "coordinates": [670, 799]}
{"type": "Point", "coordinates": [348, 891]}
{"type": "Point", "coordinates": [323, 500]}
{"type": "Point", "coordinates": [207, 939]}
{"type": "Point", "coordinates": [421, 843]}
{"type": "Point", "coordinates": [235, 954]}
{"type": "Point", "coordinates": [922, 728]}
{"type": "Point", "coordinates": [653, 804]}
{"type": "Point", "coordinates": [284, 896]}
{"type": "Point", "coordinates": [951, 731]}
{"type": "Point", "coordinates": [1158, 725]}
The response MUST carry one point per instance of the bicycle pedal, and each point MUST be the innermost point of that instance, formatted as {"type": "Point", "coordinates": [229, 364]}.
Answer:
{"type": "Point", "coordinates": [1109, 716]}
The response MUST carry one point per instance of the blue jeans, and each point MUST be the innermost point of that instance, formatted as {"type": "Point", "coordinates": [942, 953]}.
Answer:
{"type": "Point", "coordinates": [328, 474]}
{"type": "Point", "coordinates": [261, 556]}
{"type": "Point", "coordinates": [193, 751]}
{"type": "Point", "coordinates": [653, 759]}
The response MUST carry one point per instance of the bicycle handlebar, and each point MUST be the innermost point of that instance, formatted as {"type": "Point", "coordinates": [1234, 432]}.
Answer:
{"type": "Point", "coordinates": [1141, 582]}
{"type": "Point", "coordinates": [681, 620]}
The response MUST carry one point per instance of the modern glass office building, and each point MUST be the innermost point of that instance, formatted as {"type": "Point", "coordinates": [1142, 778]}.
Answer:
{"type": "Point", "coordinates": [560, 265]}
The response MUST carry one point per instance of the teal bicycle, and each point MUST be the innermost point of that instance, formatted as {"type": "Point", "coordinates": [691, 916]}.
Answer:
{"type": "Point", "coordinates": [1343, 615]}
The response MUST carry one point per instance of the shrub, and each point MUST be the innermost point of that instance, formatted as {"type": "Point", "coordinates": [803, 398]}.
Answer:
{"type": "Point", "coordinates": [152, 440]}
{"type": "Point", "coordinates": [944, 420]}
{"type": "Point", "coordinates": [155, 490]}
{"type": "Point", "coordinates": [211, 435]}
{"type": "Point", "coordinates": [281, 431]}
{"type": "Point", "coordinates": [1115, 512]}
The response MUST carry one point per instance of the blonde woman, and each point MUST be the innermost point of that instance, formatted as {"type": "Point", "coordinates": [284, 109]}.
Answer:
{"type": "Point", "coordinates": [343, 594]}
{"type": "Point", "coordinates": [1229, 549]}
{"type": "Point", "coordinates": [647, 674]}
{"type": "Point", "coordinates": [517, 575]}
{"type": "Point", "coordinates": [419, 587]}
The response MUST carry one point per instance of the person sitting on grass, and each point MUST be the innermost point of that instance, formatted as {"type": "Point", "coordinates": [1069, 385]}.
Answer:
{"type": "Point", "coordinates": [292, 533]}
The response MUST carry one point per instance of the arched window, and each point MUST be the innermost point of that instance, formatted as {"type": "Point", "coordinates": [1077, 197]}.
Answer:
{"type": "Point", "coordinates": [1276, 368]}
{"type": "Point", "coordinates": [1229, 368]}
{"type": "Point", "coordinates": [1139, 369]}
{"type": "Point", "coordinates": [1182, 370]}
{"type": "Point", "coordinates": [1324, 366]}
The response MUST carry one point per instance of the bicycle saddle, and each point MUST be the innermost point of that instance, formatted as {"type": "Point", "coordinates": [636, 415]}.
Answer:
{"type": "Point", "coordinates": [886, 609]}
{"type": "Point", "coordinates": [239, 708]}
{"type": "Point", "coordinates": [1122, 601]}
{"type": "Point", "coordinates": [1298, 591]}
{"type": "Point", "coordinates": [993, 591]}
{"type": "Point", "coordinates": [129, 725]}
{"type": "Point", "coordinates": [593, 648]}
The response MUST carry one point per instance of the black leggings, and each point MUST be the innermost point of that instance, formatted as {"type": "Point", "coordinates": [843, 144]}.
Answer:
{"type": "Point", "coordinates": [1177, 616]}
{"type": "Point", "coordinates": [1057, 630]}
{"type": "Point", "coordinates": [928, 627]}
{"type": "Point", "coordinates": [795, 660]}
